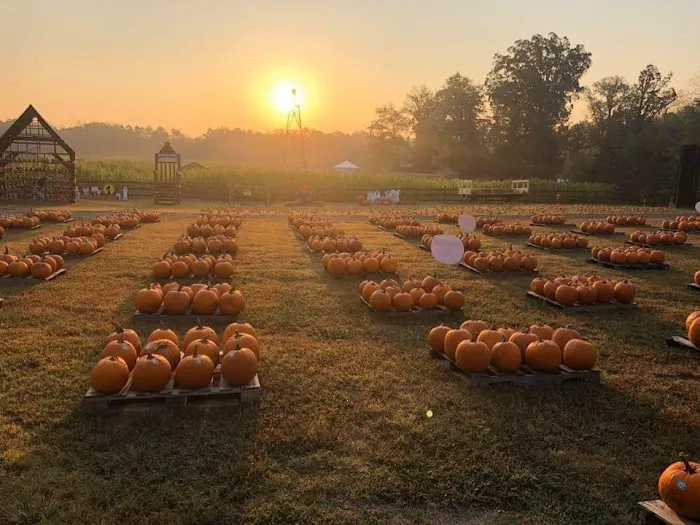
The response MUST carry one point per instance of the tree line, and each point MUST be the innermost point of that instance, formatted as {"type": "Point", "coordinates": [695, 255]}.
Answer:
{"type": "Point", "coordinates": [516, 124]}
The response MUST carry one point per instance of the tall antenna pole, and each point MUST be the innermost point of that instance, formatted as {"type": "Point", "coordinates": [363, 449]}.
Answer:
{"type": "Point", "coordinates": [294, 125]}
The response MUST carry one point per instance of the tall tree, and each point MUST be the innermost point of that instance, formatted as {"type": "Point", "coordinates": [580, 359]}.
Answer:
{"type": "Point", "coordinates": [651, 95]}
{"type": "Point", "coordinates": [459, 112]}
{"type": "Point", "coordinates": [531, 89]}
{"type": "Point", "coordinates": [388, 144]}
{"type": "Point", "coordinates": [419, 108]}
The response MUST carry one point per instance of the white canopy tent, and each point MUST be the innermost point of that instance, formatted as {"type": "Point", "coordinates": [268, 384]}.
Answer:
{"type": "Point", "coordinates": [346, 168]}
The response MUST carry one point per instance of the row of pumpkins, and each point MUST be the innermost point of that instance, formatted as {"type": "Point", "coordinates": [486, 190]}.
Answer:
{"type": "Point", "coordinates": [224, 218]}
{"type": "Point", "coordinates": [67, 245]}
{"type": "Point", "coordinates": [684, 224]}
{"type": "Point", "coordinates": [34, 265]}
{"type": "Point", "coordinates": [183, 266]}
{"type": "Point", "coordinates": [578, 290]}
{"type": "Point", "coordinates": [87, 230]}
{"type": "Point", "coordinates": [559, 241]}
{"type": "Point", "coordinates": [344, 263]}
{"type": "Point", "coordinates": [658, 237]}
{"type": "Point", "coordinates": [469, 241]}
{"type": "Point", "coordinates": [334, 244]}
{"type": "Point", "coordinates": [50, 215]}
{"type": "Point", "coordinates": [548, 219]}
{"type": "Point", "coordinates": [209, 230]}
{"type": "Point", "coordinates": [200, 245]}
{"type": "Point", "coordinates": [628, 255]}
{"type": "Point", "coordinates": [495, 261]}
{"type": "Point", "coordinates": [311, 224]}
{"type": "Point", "coordinates": [626, 220]}
{"type": "Point", "coordinates": [199, 298]}
{"type": "Point", "coordinates": [17, 221]}
{"type": "Point", "coordinates": [124, 220]}
{"type": "Point", "coordinates": [419, 231]}
{"type": "Point", "coordinates": [487, 221]}
{"type": "Point", "coordinates": [192, 363]}
{"type": "Point", "coordinates": [389, 221]}
{"type": "Point", "coordinates": [427, 293]}
{"type": "Point", "coordinates": [500, 230]}
{"type": "Point", "coordinates": [443, 216]}
{"type": "Point", "coordinates": [599, 227]}
{"type": "Point", "coordinates": [475, 346]}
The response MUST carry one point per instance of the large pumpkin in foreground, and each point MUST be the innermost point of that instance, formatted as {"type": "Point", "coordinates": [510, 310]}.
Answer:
{"type": "Point", "coordinates": [679, 487]}
{"type": "Point", "coordinates": [109, 375]}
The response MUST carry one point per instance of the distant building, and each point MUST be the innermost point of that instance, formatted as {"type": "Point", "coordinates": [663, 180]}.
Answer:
{"type": "Point", "coordinates": [346, 168]}
{"type": "Point", "coordinates": [193, 166]}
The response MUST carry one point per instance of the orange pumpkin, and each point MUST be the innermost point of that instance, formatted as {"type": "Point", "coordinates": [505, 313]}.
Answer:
{"type": "Point", "coordinates": [205, 347]}
{"type": "Point", "coordinates": [561, 336]}
{"type": "Point", "coordinates": [245, 328]}
{"type": "Point", "coordinates": [164, 347]}
{"type": "Point", "coordinates": [122, 349]}
{"type": "Point", "coordinates": [472, 356]}
{"type": "Point", "coordinates": [475, 327]}
{"type": "Point", "coordinates": [454, 300]}
{"type": "Point", "coordinates": [543, 331]}
{"type": "Point", "coordinates": [239, 367]}
{"type": "Point", "coordinates": [402, 301]}
{"type": "Point", "coordinates": [194, 371]}
{"type": "Point", "coordinates": [694, 332]}
{"type": "Point", "coordinates": [199, 332]}
{"type": "Point", "coordinates": [491, 338]}
{"type": "Point", "coordinates": [679, 487]}
{"type": "Point", "coordinates": [580, 355]}
{"type": "Point", "coordinates": [152, 373]}
{"type": "Point", "coordinates": [163, 333]}
{"type": "Point", "coordinates": [543, 356]}
{"type": "Point", "coordinates": [506, 357]}
{"type": "Point", "coordinates": [453, 338]}
{"type": "Point", "coordinates": [109, 375]}
{"type": "Point", "coordinates": [436, 338]}
{"type": "Point", "coordinates": [242, 340]}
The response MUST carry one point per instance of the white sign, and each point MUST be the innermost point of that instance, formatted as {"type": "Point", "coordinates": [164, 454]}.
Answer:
{"type": "Point", "coordinates": [447, 249]}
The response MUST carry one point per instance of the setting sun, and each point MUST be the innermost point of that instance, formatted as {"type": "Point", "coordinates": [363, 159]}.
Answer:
{"type": "Point", "coordinates": [283, 98]}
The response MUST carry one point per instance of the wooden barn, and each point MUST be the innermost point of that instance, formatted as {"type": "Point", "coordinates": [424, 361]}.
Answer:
{"type": "Point", "coordinates": [36, 164]}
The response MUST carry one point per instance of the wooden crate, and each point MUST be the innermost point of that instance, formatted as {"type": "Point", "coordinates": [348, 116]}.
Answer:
{"type": "Point", "coordinates": [614, 305]}
{"type": "Point", "coordinates": [656, 512]}
{"type": "Point", "coordinates": [693, 286]}
{"type": "Point", "coordinates": [650, 266]}
{"type": "Point", "coordinates": [218, 392]}
{"type": "Point", "coordinates": [681, 342]}
{"type": "Point", "coordinates": [31, 279]}
{"type": "Point", "coordinates": [524, 376]}
{"type": "Point", "coordinates": [502, 273]}
{"type": "Point", "coordinates": [189, 317]}
{"type": "Point", "coordinates": [440, 310]}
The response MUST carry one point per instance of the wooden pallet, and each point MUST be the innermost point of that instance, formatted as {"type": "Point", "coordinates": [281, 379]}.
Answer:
{"type": "Point", "coordinates": [503, 273]}
{"type": "Point", "coordinates": [693, 286]}
{"type": "Point", "coordinates": [7, 279]}
{"type": "Point", "coordinates": [83, 255]}
{"type": "Point", "coordinates": [565, 225]}
{"type": "Point", "coordinates": [189, 317]}
{"type": "Point", "coordinates": [555, 250]}
{"type": "Point", "coordinates": [72, 219]}
{"type": "Point", "coordinates": [13, 229]}
{"type": "Point", "coordinates": [524, 376]}
{"type": "Point", "coordinates": [218, 392]}
{"type": "Point", "coordinates": [650, 266]}
{"type": "Point", "coordinates": [583, 308]}
{"type": "Point", "coordinates": [656, 512]}
{"type": "Point", "coordinates": [439, 310]}
{"type": "Point", "coordinates": [596, 234]}
{"type": "Point", "coordinates": [658, 246]}
{"type": "Point", "coordinates": [681, 342]}
{"type": "Point", "coordinates": [116, 237]}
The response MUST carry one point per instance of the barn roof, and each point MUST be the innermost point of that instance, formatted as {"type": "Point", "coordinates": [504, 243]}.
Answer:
{"type": "Point", "coordinates": [14, 132]}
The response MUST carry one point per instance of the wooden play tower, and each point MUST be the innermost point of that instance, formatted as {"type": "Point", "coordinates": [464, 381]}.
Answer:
{"type": "Point", "coordinates": [166, 176]}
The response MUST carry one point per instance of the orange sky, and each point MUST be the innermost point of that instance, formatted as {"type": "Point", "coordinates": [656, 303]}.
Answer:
{"type": "Point", "coordinates": [194, 65]}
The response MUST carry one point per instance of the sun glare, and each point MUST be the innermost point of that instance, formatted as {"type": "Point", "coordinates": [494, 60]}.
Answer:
{"type": "Point", "coordinates": [284, 100]}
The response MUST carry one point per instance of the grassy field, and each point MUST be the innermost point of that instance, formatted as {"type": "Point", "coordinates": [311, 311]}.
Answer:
{"type": "Point", "coordinates": [341, 435]}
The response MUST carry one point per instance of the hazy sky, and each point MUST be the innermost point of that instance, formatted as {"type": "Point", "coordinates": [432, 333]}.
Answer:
{"type": "Point", "coordinates": [210, 63]}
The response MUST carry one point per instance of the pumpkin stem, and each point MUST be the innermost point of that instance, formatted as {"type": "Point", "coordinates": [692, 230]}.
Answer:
{"type": "Point", "coordinates": [195, 352]}
{"type": "Point", "coordinates": [688, 467]}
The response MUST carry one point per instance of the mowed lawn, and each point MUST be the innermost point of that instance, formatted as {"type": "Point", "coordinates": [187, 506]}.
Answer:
{"type": "Point", "coordinates": [341, 434]}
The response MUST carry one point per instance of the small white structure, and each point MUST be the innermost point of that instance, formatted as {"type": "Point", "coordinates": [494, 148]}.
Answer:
{"type": "Point", "coordinates": [346, 168]}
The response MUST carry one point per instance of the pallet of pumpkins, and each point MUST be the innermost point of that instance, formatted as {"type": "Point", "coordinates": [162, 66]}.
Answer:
{"type": "Point", "coordinates": [223, 216]}
{"type": "Point", "coordinates": [68, 245]}
{"type": "Point", "coordinates": [548, 220]}
{"type": "Point", "coordinates": [692, 331]}
{"type": "Point", "coordinates": [626, 220]}
{"type": "Point", "coordinates": [333, 244]}
{"type": "Point", "coordinates": [359, 263]}
{"type": "Point", "coordinates": [469, 241]}
{"type": "Point", "coordinates": [148, 216]}
{"type": "Point", "coordinates": [124, 221]}
{"type": "Point", "coordinates": [19, 222]}
{"type": "Point", "coordinates": [488, 355]}
{"type": "Point", "coordinates": [307, 225]}
{"type": "Point", "coordinates": [684, 223]}
{"type": "Point", "coordinates": [88, 230]}
{"type": "Point", "coordinates": [557, 241]}
{"type": "Point", "coordinates": [167, 366]}
{"type": "Point", "coordinates": [203, 229]}
{"type": "Point", "coordinates": [416, 232]}
{"type": "Point", "coordinates": [410, 297]}
{"type": "Point", "coordinates": [657, 238]}
{"type": "Point", "coordinates": [583, 293]}
{"type": "Point", "coordinates": [173, 266]}
{"type": "Point", "coordinates": [595, 228]}
{"type": "Point", "coordinates": [502, 263]}
{"type": "Point", "coordinates": [507, 230]}
{"type": "Point", "coordinates": [199, 300]}
{"type": "Point", "coordinates": [30, 266]}
{"type": "Point", "coordinates": [448, 218]}
{"type": "Point", "coordinates": [215, 244]}
{"type": "Point", "coordinates": [50, 215]}
{"type": "Point", "coordinates": [679, 489]}
{"type": "Point", "coordinates": [629, 258]}
{"type": "Point", "coordinates": [389, 221]}
{"type": "Point", "coordinates": [482, 221]}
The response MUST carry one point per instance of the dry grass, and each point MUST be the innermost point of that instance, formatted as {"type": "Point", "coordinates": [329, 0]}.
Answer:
{"type": "Point", "coordinates": [341, 434]}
